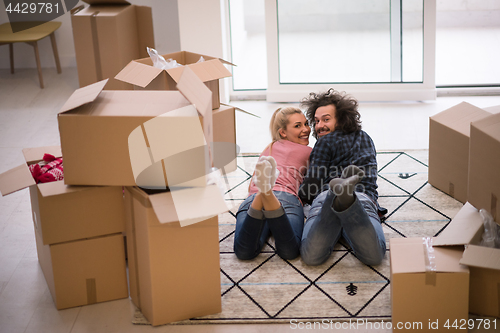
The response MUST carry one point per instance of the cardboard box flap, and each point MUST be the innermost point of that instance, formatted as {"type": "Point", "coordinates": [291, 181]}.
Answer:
{"type": "Point", "coordinates": [58, 187]}
{"type": "Point", "coordinates": [489, 125]}
{"type": "Point", "coordinates": [493, 109]}
{"type": "Point", "coordinates": [106, 2]}
{"type": "Point", "coordinates": [139, 74]}
{"type": "Point", "coordinates": [483, 257]}
{"type": "Point", "coordinates": [460, 116]}
{"type": "Point", "coordinates": [408, 256]}
{"type": "Point", "coordinates": [240, 109]}
{"type": "Point", "coordinates": [226, 62]}
{"type": "Point", "coordinates": [188, 204]}
{"type": "Point", "coordinates": [466, 227]}
{"type": "Point", "coordinates": [16, 179]}
{"type": "Point", "coordinates": [33, 155]}
{"type": "Point", "coordinates": [84, 95]}
{"type": "Point", "coordinates": [195, 91]}
{"type": "Point", "coordinates": [207, 70]}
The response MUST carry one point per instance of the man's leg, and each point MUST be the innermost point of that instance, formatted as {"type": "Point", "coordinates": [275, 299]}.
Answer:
{"type": "Point", "coordinates": [359, 218]}
{"type": "Point", "coordinates": [321, 232]}
{"type": "Point", "coordinates": [362, 229]}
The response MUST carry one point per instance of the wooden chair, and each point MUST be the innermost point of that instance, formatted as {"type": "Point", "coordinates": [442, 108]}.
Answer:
{"type": "Point", "coordinates": [30, 36]}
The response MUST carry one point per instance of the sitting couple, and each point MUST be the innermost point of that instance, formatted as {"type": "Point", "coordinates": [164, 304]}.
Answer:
{"type": "Point", "coordinates": [337, 178]}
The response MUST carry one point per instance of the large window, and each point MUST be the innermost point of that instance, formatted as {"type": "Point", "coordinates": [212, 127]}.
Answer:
{"type": "Point", "coordinates": [467, 43]}
{"type": "Point", "coordinates": [350, 41]}
{"type": "Point", "coordinates": [374, 45]}
{"type": "Point", "coordinates": [378, 48]}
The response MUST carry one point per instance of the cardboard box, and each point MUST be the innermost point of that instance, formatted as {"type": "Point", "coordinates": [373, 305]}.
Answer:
{"type": "Point", "coordinates": [61, 213]}
{"type": "Point", "coordinates": [421, 296]}
{"type": "Point", "coordinates": [112, 137]}
{"type": "Point", "coordinates": [108, 35]}
{"type": "Point", "coordinates": [449, 133]}
{"type": "Point", "coordinates": [225, 149]}
{"type": "Point", "coordinates": [143, 75]}
{"type": "Point", "coordinates": [466, 229]}
{"type": "Point", "coordinates": [174, 271]}
{"type": "Point", "coordinates": [484, 165]}
{"type": "Point", "coordinates": [84, 272]}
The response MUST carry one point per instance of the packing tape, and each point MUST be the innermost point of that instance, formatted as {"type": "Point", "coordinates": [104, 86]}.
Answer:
{"type": "Point", "coordinates": [430, 262]}
{"type": "Point", "coordinates": [494, 206]}
{"type": "Point", "coordinates": [451, 189]}
{"type": "Point", "coordinates": [95, 41]}
{"type": "Point", "coordinates": [91, 291]}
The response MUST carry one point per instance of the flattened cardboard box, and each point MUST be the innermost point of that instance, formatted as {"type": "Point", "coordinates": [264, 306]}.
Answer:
{"type": "Point", "coordinates": [449, 133]}
{"type": "Point", "coordinates": [422, 296]}
{"type": "Point", "coordinates": [143, 75]}
{"type": "Point", "coordinates": [108, 35]}
{"type": "Point", "coordinates": [85, 271]}
{"type": "Point", "coordinates": [61, 213]}
{"type": "Point", "coordinates": [174, 271]}
{"type": "Point", "coordinates": [97, 127]}
{"type": "Point", "coordinates": [466, 229]}
{"type": "Point", "coordinates": [484, 165]}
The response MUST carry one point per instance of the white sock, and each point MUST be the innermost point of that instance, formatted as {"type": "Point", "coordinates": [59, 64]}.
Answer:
{"type": "Point", "coordinates": [265, 174]}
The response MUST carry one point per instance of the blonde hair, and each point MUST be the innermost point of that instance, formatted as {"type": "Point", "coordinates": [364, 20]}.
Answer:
{"type": "Point", "coordinates": [279, 120]}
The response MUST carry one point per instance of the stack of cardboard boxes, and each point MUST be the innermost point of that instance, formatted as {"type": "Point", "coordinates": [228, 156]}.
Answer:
{"type": "Point", "coordinates": [79, 235]}
{"type": "Point", "coordinates": [112, 141]}
{"type": "Point", "coordinates": [450, 275]}
{"type": "Point", "coordinates": [135, 165]}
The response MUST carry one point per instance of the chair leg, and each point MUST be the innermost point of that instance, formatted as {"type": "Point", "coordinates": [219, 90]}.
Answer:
{"type": "Point", "coordinates": [11, 54]}
{"type": "Point", "coordinates": [37, 56]}
{"type": "Point", "coordinates": [56, 54]}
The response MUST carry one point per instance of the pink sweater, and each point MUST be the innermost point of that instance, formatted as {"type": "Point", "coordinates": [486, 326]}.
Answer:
{"type": "Point", "coordinates": [292, 160]}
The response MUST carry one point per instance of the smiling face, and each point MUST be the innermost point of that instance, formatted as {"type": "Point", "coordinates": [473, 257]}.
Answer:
{"type": "Point", "coordinates": [325, 120]}
{"type": "Point", "coordinates": [297, 130]}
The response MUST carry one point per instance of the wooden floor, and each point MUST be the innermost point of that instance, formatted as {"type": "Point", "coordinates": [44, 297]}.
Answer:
{"type": "Point", "coordinates": [28, 118]}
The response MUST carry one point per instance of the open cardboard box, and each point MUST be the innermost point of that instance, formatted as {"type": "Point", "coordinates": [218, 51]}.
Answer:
{"type": "Point", "coordinates": [78, 233]}
{"type": "Point", "coordinates": [142, 74]}
{"type": "Point", "coordinates": [112, 137]}
{"type": "Point", "coordinates": [484, 165]}
{"type": "Point", "coordinates": [60, 212]}
{"type": "Point", "coordinates": [174, 271]}
{"type": "Point", "coordinates": [449, 135]}
{"type": "Point", "coordinates": [465, 230]}
{"type": "Point", "coordinates": [427, 285]}
{"type": "Point", "coordinates": [108, 35]}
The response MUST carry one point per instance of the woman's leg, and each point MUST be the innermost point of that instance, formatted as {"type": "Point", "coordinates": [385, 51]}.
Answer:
{"type": "Point", "coordinates": [286, 224]}
{"type": "Point", "coordinates": [251, 231]}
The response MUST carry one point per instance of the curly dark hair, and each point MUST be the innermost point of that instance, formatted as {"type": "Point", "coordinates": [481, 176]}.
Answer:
{"type": "Point", "coordinates": [346, 115]}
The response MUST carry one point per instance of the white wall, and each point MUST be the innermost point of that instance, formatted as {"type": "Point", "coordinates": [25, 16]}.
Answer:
{"type": "Point", "coordinates": [166, 29]}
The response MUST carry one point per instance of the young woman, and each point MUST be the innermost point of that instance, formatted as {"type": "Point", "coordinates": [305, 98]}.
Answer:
{"type": "Point", "coordinates": [273, 206]}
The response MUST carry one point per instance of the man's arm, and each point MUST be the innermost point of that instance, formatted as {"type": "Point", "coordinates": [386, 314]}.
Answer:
{"type": "Point", "coordinates": [317, 174]}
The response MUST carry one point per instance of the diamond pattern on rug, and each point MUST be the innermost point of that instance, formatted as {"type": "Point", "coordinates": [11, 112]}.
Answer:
{"type": "Point", "coordinates": [352, 284]}
{"type": "Point", "coordinates": [269, 289]}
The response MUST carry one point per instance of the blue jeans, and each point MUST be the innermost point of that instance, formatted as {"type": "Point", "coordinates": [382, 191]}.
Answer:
{"type": "Point", "coordinates": [359, 224]}
{"type": "Point", "coordinates": [251, 233]}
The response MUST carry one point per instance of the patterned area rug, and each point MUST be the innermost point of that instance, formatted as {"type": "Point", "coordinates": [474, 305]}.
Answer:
{"type": "Point", "coordinates": [269, 289]}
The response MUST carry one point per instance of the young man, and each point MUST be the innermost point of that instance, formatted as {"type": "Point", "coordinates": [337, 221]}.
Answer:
{"type": "Point", "coordinates": [341, 183]}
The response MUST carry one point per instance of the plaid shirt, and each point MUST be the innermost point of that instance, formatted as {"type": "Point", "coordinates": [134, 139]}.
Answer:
{"type": "Point", "coordinates": [334, 152]}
